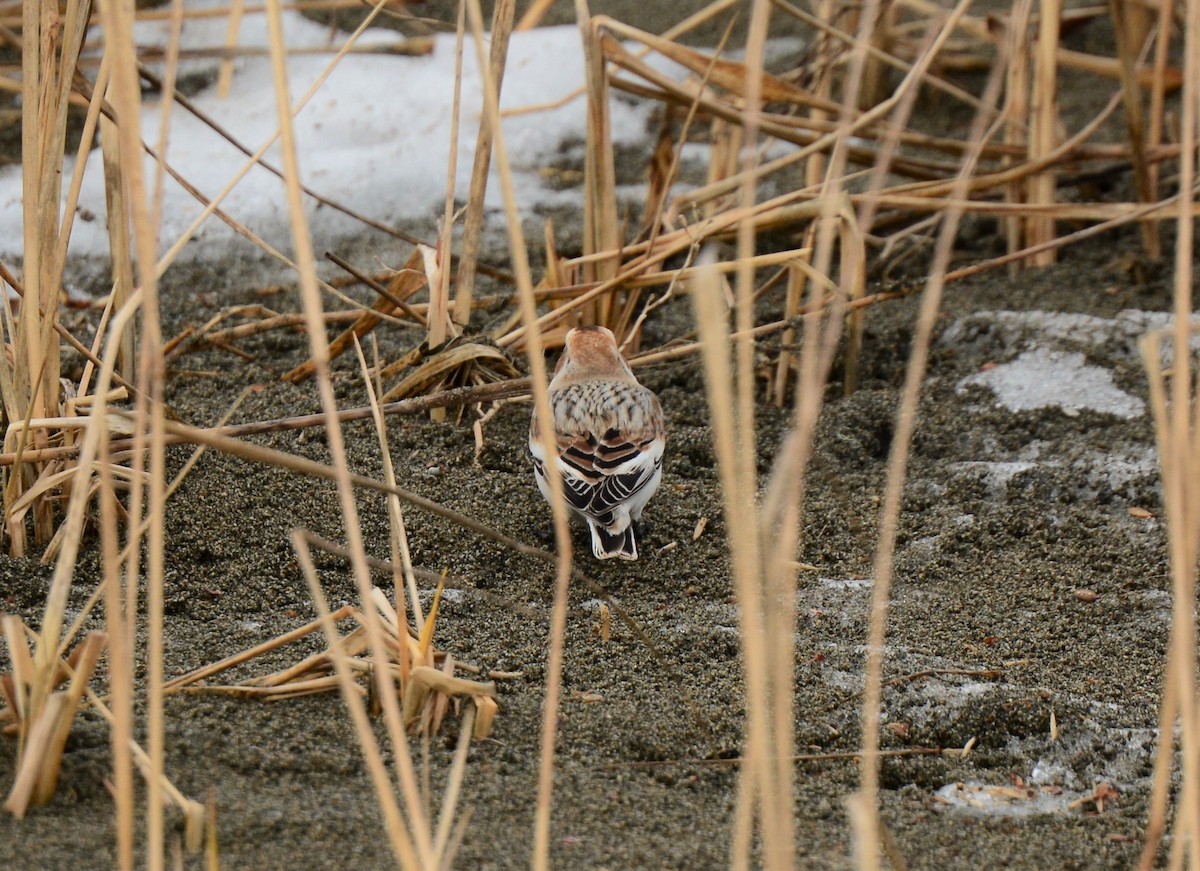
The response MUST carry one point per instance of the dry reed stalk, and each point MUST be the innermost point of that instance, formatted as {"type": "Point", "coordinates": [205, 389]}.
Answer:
{"type": "Point", "coordinates": [874, 87]}
{"type": "Point", "coordinates": [769, 727]}
{"type": "Point", "coordinates": [1017, 112]}
{"type": "Point", "coordinates": [1176, 449]}
{"type": "Point", "coordinates": [51, 41]}
{"type": "Point", "coordinates": [225, 76]}
{"type": "Point", "coordinates": [1158, 88]}
{"type": "Point", "coordinates": [600, 223]}
{"type": "Point", "coordinates": [788, 490]}
{"type": "Point", "coordinates": [150, 415]}
{"type": "Point", "coordinates": [418, 835]}
{"type": "Point", "coordinates": [462, 309]}
{"type": "Point", "coordinates": [43, 734]}
{"type": "Point", "coordinates": [441, 328]}
{"type": "Point", "coordinates": [119, 243]}
{"type": "Point", "coordinates": [1131, 26]}
{"type": "Point", "coordinates": [502, 25]}
{"type": "Point", "coordinates": [86, 140]}
{"type": "Point", "coordinates": [540, 382]}
{"type": "Point", "coordinates": [779, 517]}
{"type": "Point", "coordinates": [165, 109]}
{"type": "Point", "coordinates": [534, 14]}
{"type": "Point", "coordinates": [199, 674]}
{"type": "Point", "coordinates": [1043, 127]}
{"type": "Point", "coordinates": [40, 269]}
{"type": "Point", "coordinates": [415, 47]}
{"type": "Point", "coordinates": [814, 171]}
{"type": "Point", "coordinates": [764, 786]}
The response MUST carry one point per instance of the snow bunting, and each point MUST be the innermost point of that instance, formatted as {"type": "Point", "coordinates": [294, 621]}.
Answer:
{"type": "Point", "coordinates": [610, 436]}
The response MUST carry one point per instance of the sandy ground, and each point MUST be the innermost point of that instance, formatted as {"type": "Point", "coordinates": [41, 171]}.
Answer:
{"type": "Point", "coordinates": [1018, 556]}
{"type": "Point", "coordinates": [1008, 515]}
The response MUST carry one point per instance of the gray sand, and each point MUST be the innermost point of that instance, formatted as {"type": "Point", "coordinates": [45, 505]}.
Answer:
{"type": "Point", "coordinates": [989, 560]}
{"type": "Point", "coordinates": [1007, 515]}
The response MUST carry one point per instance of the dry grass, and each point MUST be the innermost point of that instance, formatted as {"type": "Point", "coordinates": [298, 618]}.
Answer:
{"type": "Point", "coordinates": [874, 190]}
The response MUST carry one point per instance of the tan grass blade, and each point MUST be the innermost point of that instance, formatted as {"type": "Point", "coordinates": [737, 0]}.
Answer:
{"type": "Point", "coordinates": [419, 831]}
{"type": "Point", "coordinates": [871, 831]}
{"type": "Point", "coordinates": [85, 659]}
{"type": "Point", "coordinates": [403, 577]}
{"type": "Point", "coordinates": [1177, 434]}
{"type": "Point", "coordinates": [126, 97]}
{"type": "Point", "coordinates": [537, 367]}
{"type": "Point", "coordinates": [401, 841]}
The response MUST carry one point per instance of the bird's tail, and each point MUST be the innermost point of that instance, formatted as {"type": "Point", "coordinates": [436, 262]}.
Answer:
{"type": "Point", "coordinates": [610, 545]}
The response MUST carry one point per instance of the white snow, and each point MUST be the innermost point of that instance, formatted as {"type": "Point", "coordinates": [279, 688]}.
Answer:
{"type": "Point", "coordinates": [376, 137]}
{"type": "Point", "coordinates": [1042, 378]}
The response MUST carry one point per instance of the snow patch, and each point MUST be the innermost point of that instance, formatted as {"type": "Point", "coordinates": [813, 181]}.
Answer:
{"type": "Point", "coordinates": [375, 137]}
{"type": "Point", "coordinates": [1043, 378]}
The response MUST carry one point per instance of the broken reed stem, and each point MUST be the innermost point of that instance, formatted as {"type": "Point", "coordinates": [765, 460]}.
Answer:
{"type": "Point", "coordinates": [540, 382]}
{"type": "Point", "coordinates": [119, 244]}
{"type": "Point", "coordinates": [718, 364]}
{"type": "Point", "coordinates": [229, 662]}
{"type": "Point", "coordinates": [418, 831]}
{"type": "Point", "coordinates": [225, 75]}
{"type": "Point", "coordinates": [1178, 486]}
{"type": "Point", "coordinates": [1158, 89]}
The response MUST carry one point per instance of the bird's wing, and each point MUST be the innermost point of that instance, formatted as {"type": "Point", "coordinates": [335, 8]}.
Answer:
{"type": "Point", "coordinates": [603, 472]}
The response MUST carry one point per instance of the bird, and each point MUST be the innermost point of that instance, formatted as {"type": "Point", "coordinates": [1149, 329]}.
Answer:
{"type": "Point", "coordinates": [610, 439]}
